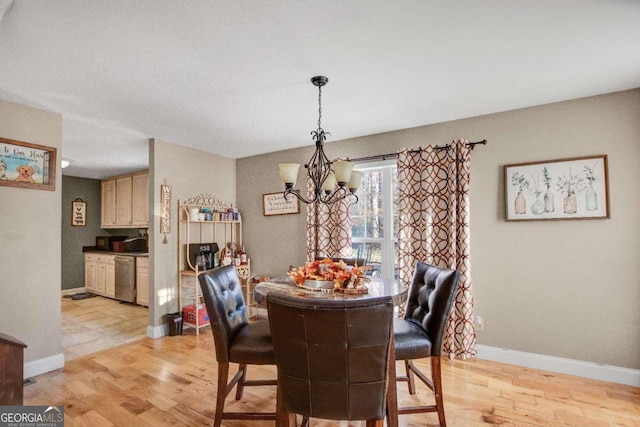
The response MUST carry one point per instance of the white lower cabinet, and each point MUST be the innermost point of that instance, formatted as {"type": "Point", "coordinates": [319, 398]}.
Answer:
{"type": "Point", "coordinates": [142, 281]}
{"type": "Point", "coordinates": [100, 274]}
{"type": "Point", "coordinates": [110, 276]}
{"type": "Point", "coordinates": [90, 272]}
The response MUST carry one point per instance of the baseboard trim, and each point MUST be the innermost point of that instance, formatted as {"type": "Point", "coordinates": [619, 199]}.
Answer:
{"type": "Point", "coordinates": [73, 291]}
{"type": "Point", "coordinates": [596, 371]}
{"type": "Point", "coordinates": [157, 331]}
{"type": "Point", "coordinates": [44, 365]}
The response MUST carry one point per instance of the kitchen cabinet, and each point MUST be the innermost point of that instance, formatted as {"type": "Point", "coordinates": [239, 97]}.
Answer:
{"type": "Point", "coordinates": [110, 276]}
{"type": "Point", "coordinates": [142, 281]}
{"type": "Point", "coordinates": [125, 201]}
{"type": "Point", "coordinates": [99, 274]}
{"type": "Point", "coordinates": [140, 200]}
{"type": "Point", "coordinates": [124, 192]}
{"type": "Point", "coordinates": [108, 208]}
{"type": "Point", "coordinates": [89, 272]}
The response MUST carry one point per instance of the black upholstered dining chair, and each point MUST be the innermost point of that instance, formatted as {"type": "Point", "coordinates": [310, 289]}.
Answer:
{"type": "Point", "coordinates": [419, 334]}
{"type": "Point", "coordinates": [236, 340]}
{"type": "Point", "coordinates": [334, 358]}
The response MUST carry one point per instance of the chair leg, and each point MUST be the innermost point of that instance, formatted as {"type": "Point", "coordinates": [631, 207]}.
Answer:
{"type": "Point", "coordinates": [392, 397]}
{"type": "Point", "coordinates": [375, 423]}
{"type": "Point", "coordinates": [283, 419]}
{"type": "Point", "coordinates": [223, 375]}
{"type": "Point", "coordinates": [411, 381]}
{"type": "Point", "coordinates": [434, 384]}
{"type": "Point", "coordinates": [241, 381]}
{"type": "Point", "coordinates": [436, 377]}
{"type": "Point", "coordinates": [225, 388]}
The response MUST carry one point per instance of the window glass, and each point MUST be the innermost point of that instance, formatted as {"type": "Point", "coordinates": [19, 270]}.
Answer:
{"type": "Point", "coordinates": [375, 212]}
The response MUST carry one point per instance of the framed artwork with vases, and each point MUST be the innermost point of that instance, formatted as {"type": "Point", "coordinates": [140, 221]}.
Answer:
{"type": "Point", "coordinates": [573, 188]}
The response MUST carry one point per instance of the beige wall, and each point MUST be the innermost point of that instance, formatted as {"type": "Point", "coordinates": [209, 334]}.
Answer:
{"type": "Point", "coordinates": [30, 246]}
{"type": "Point", "coordinates": [189, 172]}
{"type": "Point", "coordinates": [561, 288]}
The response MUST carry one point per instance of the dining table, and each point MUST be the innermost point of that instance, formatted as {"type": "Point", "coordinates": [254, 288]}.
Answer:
{"type": "Point", "coordinates": [377, 287]}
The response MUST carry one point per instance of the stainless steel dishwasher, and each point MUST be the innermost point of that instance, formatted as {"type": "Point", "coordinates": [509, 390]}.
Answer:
{"type": "Point", "coordinates": [125, 278]}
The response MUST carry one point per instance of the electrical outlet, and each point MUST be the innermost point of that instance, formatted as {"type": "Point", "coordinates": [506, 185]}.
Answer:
{"type": "Point", "coordinates": [479, 323]}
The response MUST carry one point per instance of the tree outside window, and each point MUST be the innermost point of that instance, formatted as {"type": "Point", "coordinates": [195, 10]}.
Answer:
{"type": "Point", "coordinates": [375, 219]}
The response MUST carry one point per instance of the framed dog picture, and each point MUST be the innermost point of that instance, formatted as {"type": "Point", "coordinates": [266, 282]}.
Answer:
{"type": "Point", "coordinates": [27, 165]}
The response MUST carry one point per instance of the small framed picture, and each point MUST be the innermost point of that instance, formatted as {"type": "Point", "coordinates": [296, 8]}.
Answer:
{"type": "Point", "coordinates": [27, 165]}
{"type": "Point", "coordinates": [575, 188]}
{"type": "Point", "coordinates": [276, 204]}
{"type": "Point", "coordinates": [78, 213]}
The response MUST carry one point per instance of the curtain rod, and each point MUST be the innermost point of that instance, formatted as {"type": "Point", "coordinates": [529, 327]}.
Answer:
{"type": "Point", "coordinates": [395, 155]}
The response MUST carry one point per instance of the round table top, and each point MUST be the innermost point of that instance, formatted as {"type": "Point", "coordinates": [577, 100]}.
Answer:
{"type": "Point", "coordinates": [377, 287]}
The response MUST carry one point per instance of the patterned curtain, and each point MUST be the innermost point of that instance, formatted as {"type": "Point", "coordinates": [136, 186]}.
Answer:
{"type": "Point", "coordinates": [331, 224]}
{"type": "Point", "coordinates": [433, 200]}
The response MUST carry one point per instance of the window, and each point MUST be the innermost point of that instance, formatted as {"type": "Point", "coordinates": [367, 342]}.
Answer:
{"type": "Point", "coordinates": [374, 233]}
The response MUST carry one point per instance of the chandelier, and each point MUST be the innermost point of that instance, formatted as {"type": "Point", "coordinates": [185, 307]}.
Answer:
{"type": "Point", "coordinates": [331, 181]}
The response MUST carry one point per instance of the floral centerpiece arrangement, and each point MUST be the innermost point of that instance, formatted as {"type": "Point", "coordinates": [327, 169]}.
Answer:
{"type": "Point", "coordinates": [343, 276]}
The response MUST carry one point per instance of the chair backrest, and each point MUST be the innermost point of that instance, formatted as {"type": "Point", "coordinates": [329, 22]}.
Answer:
{"type": "Point", "coordinates": [332, 356]}
{"type": "Point", "coordinates": [222, 294]}
{"type": "Point", "coordinates": [431, 296]}
{"type": "Point", "coordinates": [349, 261]}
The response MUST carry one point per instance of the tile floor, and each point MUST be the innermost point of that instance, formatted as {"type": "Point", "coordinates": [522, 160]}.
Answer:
{"type": "Point", "coordinates": [93, 324]}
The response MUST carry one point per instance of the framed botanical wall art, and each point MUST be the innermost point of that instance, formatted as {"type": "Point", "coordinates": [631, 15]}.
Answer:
{"type": "Point", "coordinates": [27, 165]}
{"type": "Point", "coordinates": [575, 188]}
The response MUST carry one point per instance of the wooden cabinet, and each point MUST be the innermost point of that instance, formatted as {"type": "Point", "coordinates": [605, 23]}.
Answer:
{"type": "Point", "coordinates": [99, 274]}
{"type": "Point", "coordinates": [11, 372]}
{"type": "Point", "coordinates": [90, 272]}
{"type": "Point", "coordinates": [125, 201]}
{"type": "Point", "coordinates": [124, 191]}
{"type": "Point", "coordinates": [101, 277]}
{"type": "Point", "coordinates": [142, 280]}
{"type": "Point", "coordinates": [110, 276]}
{"type": "Point", "coordinates": [140, 200]}
{"type": "Point", "coordinates": [108, 208]}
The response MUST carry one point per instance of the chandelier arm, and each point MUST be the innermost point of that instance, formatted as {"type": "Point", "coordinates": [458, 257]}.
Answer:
{"type": "Point", "coordinates": [302, 199]}
{"type": "Point", "coordinates": [333, 197]}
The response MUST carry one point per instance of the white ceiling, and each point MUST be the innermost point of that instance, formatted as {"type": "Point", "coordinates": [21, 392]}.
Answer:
{"type": "Point", "coordinates": [232, 77]}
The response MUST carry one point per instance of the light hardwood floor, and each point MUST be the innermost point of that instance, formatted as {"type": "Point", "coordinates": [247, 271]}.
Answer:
{"type": "Point", "coordinates": [172, 381]}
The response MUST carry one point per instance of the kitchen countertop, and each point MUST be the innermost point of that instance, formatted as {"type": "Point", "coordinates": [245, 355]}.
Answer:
{"type": "Point", "coordinates": [91, 249]}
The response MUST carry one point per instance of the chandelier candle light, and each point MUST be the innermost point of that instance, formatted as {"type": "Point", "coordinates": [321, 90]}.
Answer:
{"type": "Point", "coordinates": [324, 174]}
